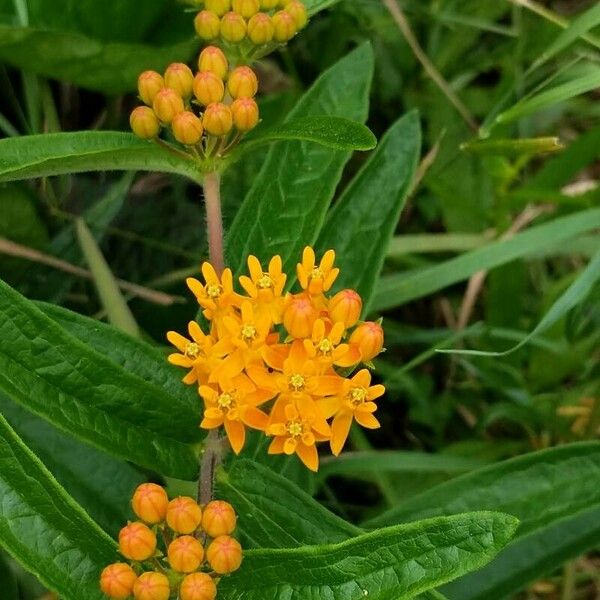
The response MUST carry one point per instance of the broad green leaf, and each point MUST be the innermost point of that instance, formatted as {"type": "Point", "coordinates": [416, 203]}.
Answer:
{"type": "Point", "coordinates": [102, 485]}
{"type": "Point", "coordinates": [8, 581]}
{"type": "Point", "coordinates": [576, 293]}
{"type": "Point", "coordinates": [274, 512]}
{"type": "Point", "coordinates": [59, 153]}
{"type": "Point", "coordinates": [400, 288]}
{"type": "Point", "coordinates": [286, 206]}
{"type": "Point", "coordinates": [63, 380]}
{"type": "Point", "coordinates": [363, 220]}
{"type": "Point", "coordinates": [112, 299]}
{"type": "Point", "coordinates": [530, 558]}
{"type": "Point", "coordinates": [332, 132]}
{"type": "Point", "coordinates": [395, 563]}
{"type": "Point", "coordinates": [44, 529]}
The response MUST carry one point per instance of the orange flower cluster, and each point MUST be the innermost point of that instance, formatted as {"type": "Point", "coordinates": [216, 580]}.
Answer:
{"type": "Point", "coordinates": [198, 548]}
{"type": "Point", "coordinates": [281, 363]}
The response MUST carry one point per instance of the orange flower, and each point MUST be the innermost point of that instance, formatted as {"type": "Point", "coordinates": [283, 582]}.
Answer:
{"type": "Point", "coordinates": [326, 348]}
{"type": "Point", "coordinates": [355, 402]}
{"type": "Point", "coordinates": [234, 405]}
{"type": "Point", "coordinates": [317, 279]}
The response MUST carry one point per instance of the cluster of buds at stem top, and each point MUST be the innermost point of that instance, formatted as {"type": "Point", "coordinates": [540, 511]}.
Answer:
{"type": "Point", "coordinates": [176, 549]}
{"type": "Point", "coordinates": [207, 111]}
{"type": "Point", "coordinates": [286, 364]}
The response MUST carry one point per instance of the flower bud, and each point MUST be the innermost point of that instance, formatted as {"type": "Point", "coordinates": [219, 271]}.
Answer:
{"type": "Point", "coordinates": [285, 26]}
{"type": "Point", "coordinates": [167, 104]}
{"type": "Point", "coordinates": [137, 542]}
{"type": "Point", "coordinates": [368, 338]}
{"type": "Point", "coordinates": [116, 581]}
{"type": "Point", "coordinates": [144, 123]}
{"type": "Point", "coordinates": [179, 77]}
{"type": "Point", "coordinates": [224, 555]}
{"type": "Point", "coordinates": [299, 317]}
{"type": "Point", "coordinates": [208, 88]}
{"type": "Point", "coordinates": [233, 27]}
{"type": "Point", "coordinates": [185, 554]}
{"type": "Point", "coordinates": [242, 83]}
{"type": "Point", "coordinates": [345, 307]}
{"type": "Point", "coordinates": [212, 59]}
{"type": "Point", "coordinates": [187, 128]}
{"type": "Point", "coordinates": [150, 503]}
{"type": "Point", "coordinates": [246, 8]}
{"type": "Point", "coordinates": [217, 119]}
{"type": "Point", "coordinates": [149, 84]}
{"type": "Point", "coordinates": [269, 4]}
{"type": "Point", "coordinates": [219, 7]}
{"type": "Point", "coordinates": [298, 12]}
{"type": "Point", "coordinates": [183, 515]}
{"type": "Point", "coordinates": [198, 586]}
{"type": "Point", "coordinates": [260, 29]}
{"type": "Point", "coordinates": [218, 518]}
{"type": "Point", "coordinates": [245, 114]}
{"type": "Point", "coordinates": [207, 25]}
{"type": "Point", "coordinates": [152, 586]}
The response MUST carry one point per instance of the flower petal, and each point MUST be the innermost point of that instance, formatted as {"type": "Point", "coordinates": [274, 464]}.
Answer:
{"type": "Point", "coordinates": [340, 428]}
{"type": "Point", "coordinates": [309, 456]}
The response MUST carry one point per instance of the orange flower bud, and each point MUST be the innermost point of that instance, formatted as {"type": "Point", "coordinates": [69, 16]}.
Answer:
{"type": "Point", "coordinates": [198, 586]}
{"type": "Point", "coordinates": [150, 503]}
{"type": "Point", "coordinates": [299, 317]}
{"type": "Point", "coordinates": [217, 119]}
{"type": "Point", "coordinates": [152, 586]}
{"type": "Point", "coordinates": [246, 8]}
{"type": "Point", "coordinates": [207, 25]}
{"type": "Point", "coordinates": [285, 26]}
{"type": "Point", "coordinates": [185, 554]}
{"type": "Point", "coordinates": [212, 59]}
{"type": "Point", "coordinates": [368, 338]}
{"type": "Point", "coordinates": [187, 128]}
{"type": "Point", "coordinates": [179, 77]}
{"type": "Point", "coordinates": [345, 307]}
{"type": "Point", "coordinates": [218, 518]}
{"type": "Point", "coordinates": [183, 515]}
{"type": "Point", "coordinates": [149, 84]}
{"type": "Point", "coordinates": [219, 7]}
{"type": "Point", "coordinates": [298, 12]}
{"type": "Point", "coordinates": [116, 581]}
{"type": "Point", "coordinates": [260, 29]}
{"type": "Point", "coordinates": [137, 542]}
{"type": "Point", "coordinates": [242, 83]}
{"type": "Point", "coordinates": [208, 88]}
{"type": "Point", "coordinates": [233, 27]}
{"type": "Point", "coordinates": [245, 114]}
{"type": "Point", "coordinates": [144, 123]}
{"type": "Point", "coordinates": [268, 4]}
{"type": "Point", "coordinates": [167, 104]}
{"type": "Point", "coordinates": [224, 555]}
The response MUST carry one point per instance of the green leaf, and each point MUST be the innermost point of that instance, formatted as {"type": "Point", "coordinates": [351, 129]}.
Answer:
{"type": "Point", "coordinates": [44, 529]}
{"type": "Point", "coordinates": [363, 220]}
{"type": "Point", "coordinates": [396, 563]}
{"type": "Point", "coordinates": [275, 513]}
{"type": "Point", "coordinates": [332, 132]}
{"type": "Point", "coordinates": [286, 206]}
{"type": "Point", "coordinates": [63, 380]}
{"type": "Point", "coordinates": [513, 148]}
{"type": "Point", "coordinates": [102, 485]}
{"type": "Point", "coordinates": [59, 153]}
{"type": "Point", "coordinates": [8, 581]}
{"type": "Point", "coordinates": [400, 288]}
{"type": "Point", "coordinates": [315, 6]}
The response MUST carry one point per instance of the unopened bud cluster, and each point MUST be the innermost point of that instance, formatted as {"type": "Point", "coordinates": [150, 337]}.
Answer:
{"type": "Point", "coordinates": [176, 549]}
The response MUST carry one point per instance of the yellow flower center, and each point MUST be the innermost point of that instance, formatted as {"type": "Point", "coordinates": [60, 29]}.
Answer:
{"type": "Point", "coordinates": [295, 428]}
{"type": "Point", "coordinates": [316, 273]}
{"type": "Point", "coordinates": [213, 291]}
{"type": "Point", "coordinates": [192, 350]}
{"type": "Point", "coordinates": [357, 395]}
{"type": "Point", "coordinates": [325, 346]}
{"type": "Point", "coordinates": [297, 382]}
{"type": "Point", "coordinates": [225, 401]}
{"type": "Point", "coordinates": [248, 333]}
{"type": "Point", "coordinates": [265, 282]}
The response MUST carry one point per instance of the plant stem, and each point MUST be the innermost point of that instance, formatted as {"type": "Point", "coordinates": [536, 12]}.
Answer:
{"type": "Point", "coordinates": [569, 572]}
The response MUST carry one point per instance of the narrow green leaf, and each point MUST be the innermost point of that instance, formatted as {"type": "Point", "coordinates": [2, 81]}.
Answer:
{"type": "Point", "coordinates": [285, 208]}
{"type": "Point", "coordinates": [315, 6]}
{"type": "Point", "coordinates": [435, 242]}
{"type": "Point", "coordinates": [576, 293]}
{"type": "Point", "coordinates": [363, 220]}
{"type": "Point", "coordinates": [513, 148]}
{"type": "Point", "coordinates": [44, 529]}
{"type": "Point", "coordinates": [400, 288]}
{"type": "Point", "coordinates": [112, 299]}
{"type": "Point", "coordinates": [396, 563]}
{"type": "Point", "coordinates": [432, 595]}
{"type": "Point", "coordinates": [63, 380]}
{"type": "Point", "coordinates": [275, 513]}
{"type": "Point", "coordinates": [59, 153]}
